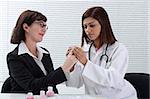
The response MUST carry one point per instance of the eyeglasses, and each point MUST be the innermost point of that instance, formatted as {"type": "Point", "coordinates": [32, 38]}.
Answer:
{"type": "Point", "coordinates": [41, 24]}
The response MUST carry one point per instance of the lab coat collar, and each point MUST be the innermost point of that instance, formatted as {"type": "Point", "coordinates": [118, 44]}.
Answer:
{"type": "Point", "coordinates": [93, 49]}
{"type": "Point", "coordinates": [23, 49]}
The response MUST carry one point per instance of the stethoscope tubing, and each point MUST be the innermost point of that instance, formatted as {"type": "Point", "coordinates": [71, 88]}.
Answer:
{"type": "Point", "coordinates": [103, 55]}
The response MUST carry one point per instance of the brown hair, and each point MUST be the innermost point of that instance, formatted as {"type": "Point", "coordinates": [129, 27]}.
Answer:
{"type": "Point", "coordinates": [27, 17]}
{"type": "Point", "coordinates": [106, 35]}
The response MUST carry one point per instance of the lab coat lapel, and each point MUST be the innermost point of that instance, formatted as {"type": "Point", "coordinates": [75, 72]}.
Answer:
{"type": "Point", "coordinates": [98, 53]}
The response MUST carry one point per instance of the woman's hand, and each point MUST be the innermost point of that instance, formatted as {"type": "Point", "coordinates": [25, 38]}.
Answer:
{"type": "Point", "coordinates": [80, 55]}
{"type": "Point", "coordinates": [69, 62]}
{"type": "Point", "coordinates": [69, 51]}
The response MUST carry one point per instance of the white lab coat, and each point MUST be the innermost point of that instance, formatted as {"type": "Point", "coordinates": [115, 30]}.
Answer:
{"type": "Point", "coordinates": [104, 79]}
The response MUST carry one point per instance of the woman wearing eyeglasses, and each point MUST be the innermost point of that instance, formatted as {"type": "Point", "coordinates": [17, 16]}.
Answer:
{"type": "Point", "coordinates": [30, 66]}
{"type": "Point", "coordinates": [102, 68]}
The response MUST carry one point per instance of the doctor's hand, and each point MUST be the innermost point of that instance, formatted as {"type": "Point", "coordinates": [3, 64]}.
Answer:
{"type": "Point", "coordinates": [69, 51]}
{"type": "Point", "coordinates": [69, 62]}
{"type": "Point", "coordinates": [80, 55]}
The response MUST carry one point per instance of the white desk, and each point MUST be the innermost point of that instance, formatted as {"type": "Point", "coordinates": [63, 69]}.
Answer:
{"type": "Point", "coordinates": [60, 96]}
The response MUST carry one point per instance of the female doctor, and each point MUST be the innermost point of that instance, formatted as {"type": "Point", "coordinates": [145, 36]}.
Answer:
{"type": "Point", "coordinates": [103, 67]}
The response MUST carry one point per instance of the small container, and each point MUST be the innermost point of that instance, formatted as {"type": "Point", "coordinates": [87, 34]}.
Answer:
{"type": "Point", "coordinates": [42, 95]}
{"type": "Point", "coordinates": [30, 95]}
{"type": "Point", "coordinates": [50, 92]}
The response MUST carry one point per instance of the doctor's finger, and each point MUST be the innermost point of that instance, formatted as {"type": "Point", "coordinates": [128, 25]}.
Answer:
{"type": "Point", "coordinates": [77, 53]}
{"type": "Point", "coordinates": [79, 49]}
{"type": "Point", "coordinates": [80, 56]}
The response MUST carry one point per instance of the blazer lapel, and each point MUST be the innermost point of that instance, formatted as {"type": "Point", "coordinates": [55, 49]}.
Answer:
{"type": "Point", "coordinates": [47, 62]}
{"type": "Point", "coordinates": [32, 63]}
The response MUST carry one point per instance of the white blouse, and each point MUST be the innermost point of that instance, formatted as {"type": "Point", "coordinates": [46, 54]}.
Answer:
{"type": "Point", "coordinates": [23, 49]}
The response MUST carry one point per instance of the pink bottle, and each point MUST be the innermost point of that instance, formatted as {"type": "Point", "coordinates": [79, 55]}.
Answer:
{"type": "Point", "coordinates": [42, 95]}
{"type": "Point", "coordinates": [50, 92]}
{"type": "Point", "coordinates": [30, 95]}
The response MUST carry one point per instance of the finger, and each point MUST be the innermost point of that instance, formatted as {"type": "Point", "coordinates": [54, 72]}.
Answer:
{"type": "Point", "coordinates": [68, 51]}
{"type": "Point", "coordinates": [80, 53]}
{"type": "Point", "coordinates": [69, 48]}
{"type": "Point", "coordinates": [77, 53]}
{"type": "Point", "coordinates": [80, 49]}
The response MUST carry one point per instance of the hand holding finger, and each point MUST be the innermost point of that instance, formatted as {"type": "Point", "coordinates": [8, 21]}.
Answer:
{"type": "Point", "coordinates": [69, 50]}
{"type": "Point", "coordinates": [69, 63]}
{"type": "Point", "coordinates": [80, 55]}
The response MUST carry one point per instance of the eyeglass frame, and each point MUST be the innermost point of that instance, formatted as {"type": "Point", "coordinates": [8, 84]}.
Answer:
{"type": "Point", "coordinates": [41, 24]}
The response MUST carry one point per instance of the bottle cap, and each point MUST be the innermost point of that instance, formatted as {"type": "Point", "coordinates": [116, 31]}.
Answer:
{"type": "Point", "coordinates": [30, 93]}
{"type": "Point", "coordinates": [42, 92]}
{"type": "Point", "coordinates": [50, 88]}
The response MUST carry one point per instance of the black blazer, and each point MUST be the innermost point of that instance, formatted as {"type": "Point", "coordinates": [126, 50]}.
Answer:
{"type": "Point", "coordinates": [27, 76]}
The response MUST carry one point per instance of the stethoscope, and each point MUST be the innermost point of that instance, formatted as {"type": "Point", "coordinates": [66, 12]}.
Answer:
{"type": "Point", "coordinates": [103, 54]}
